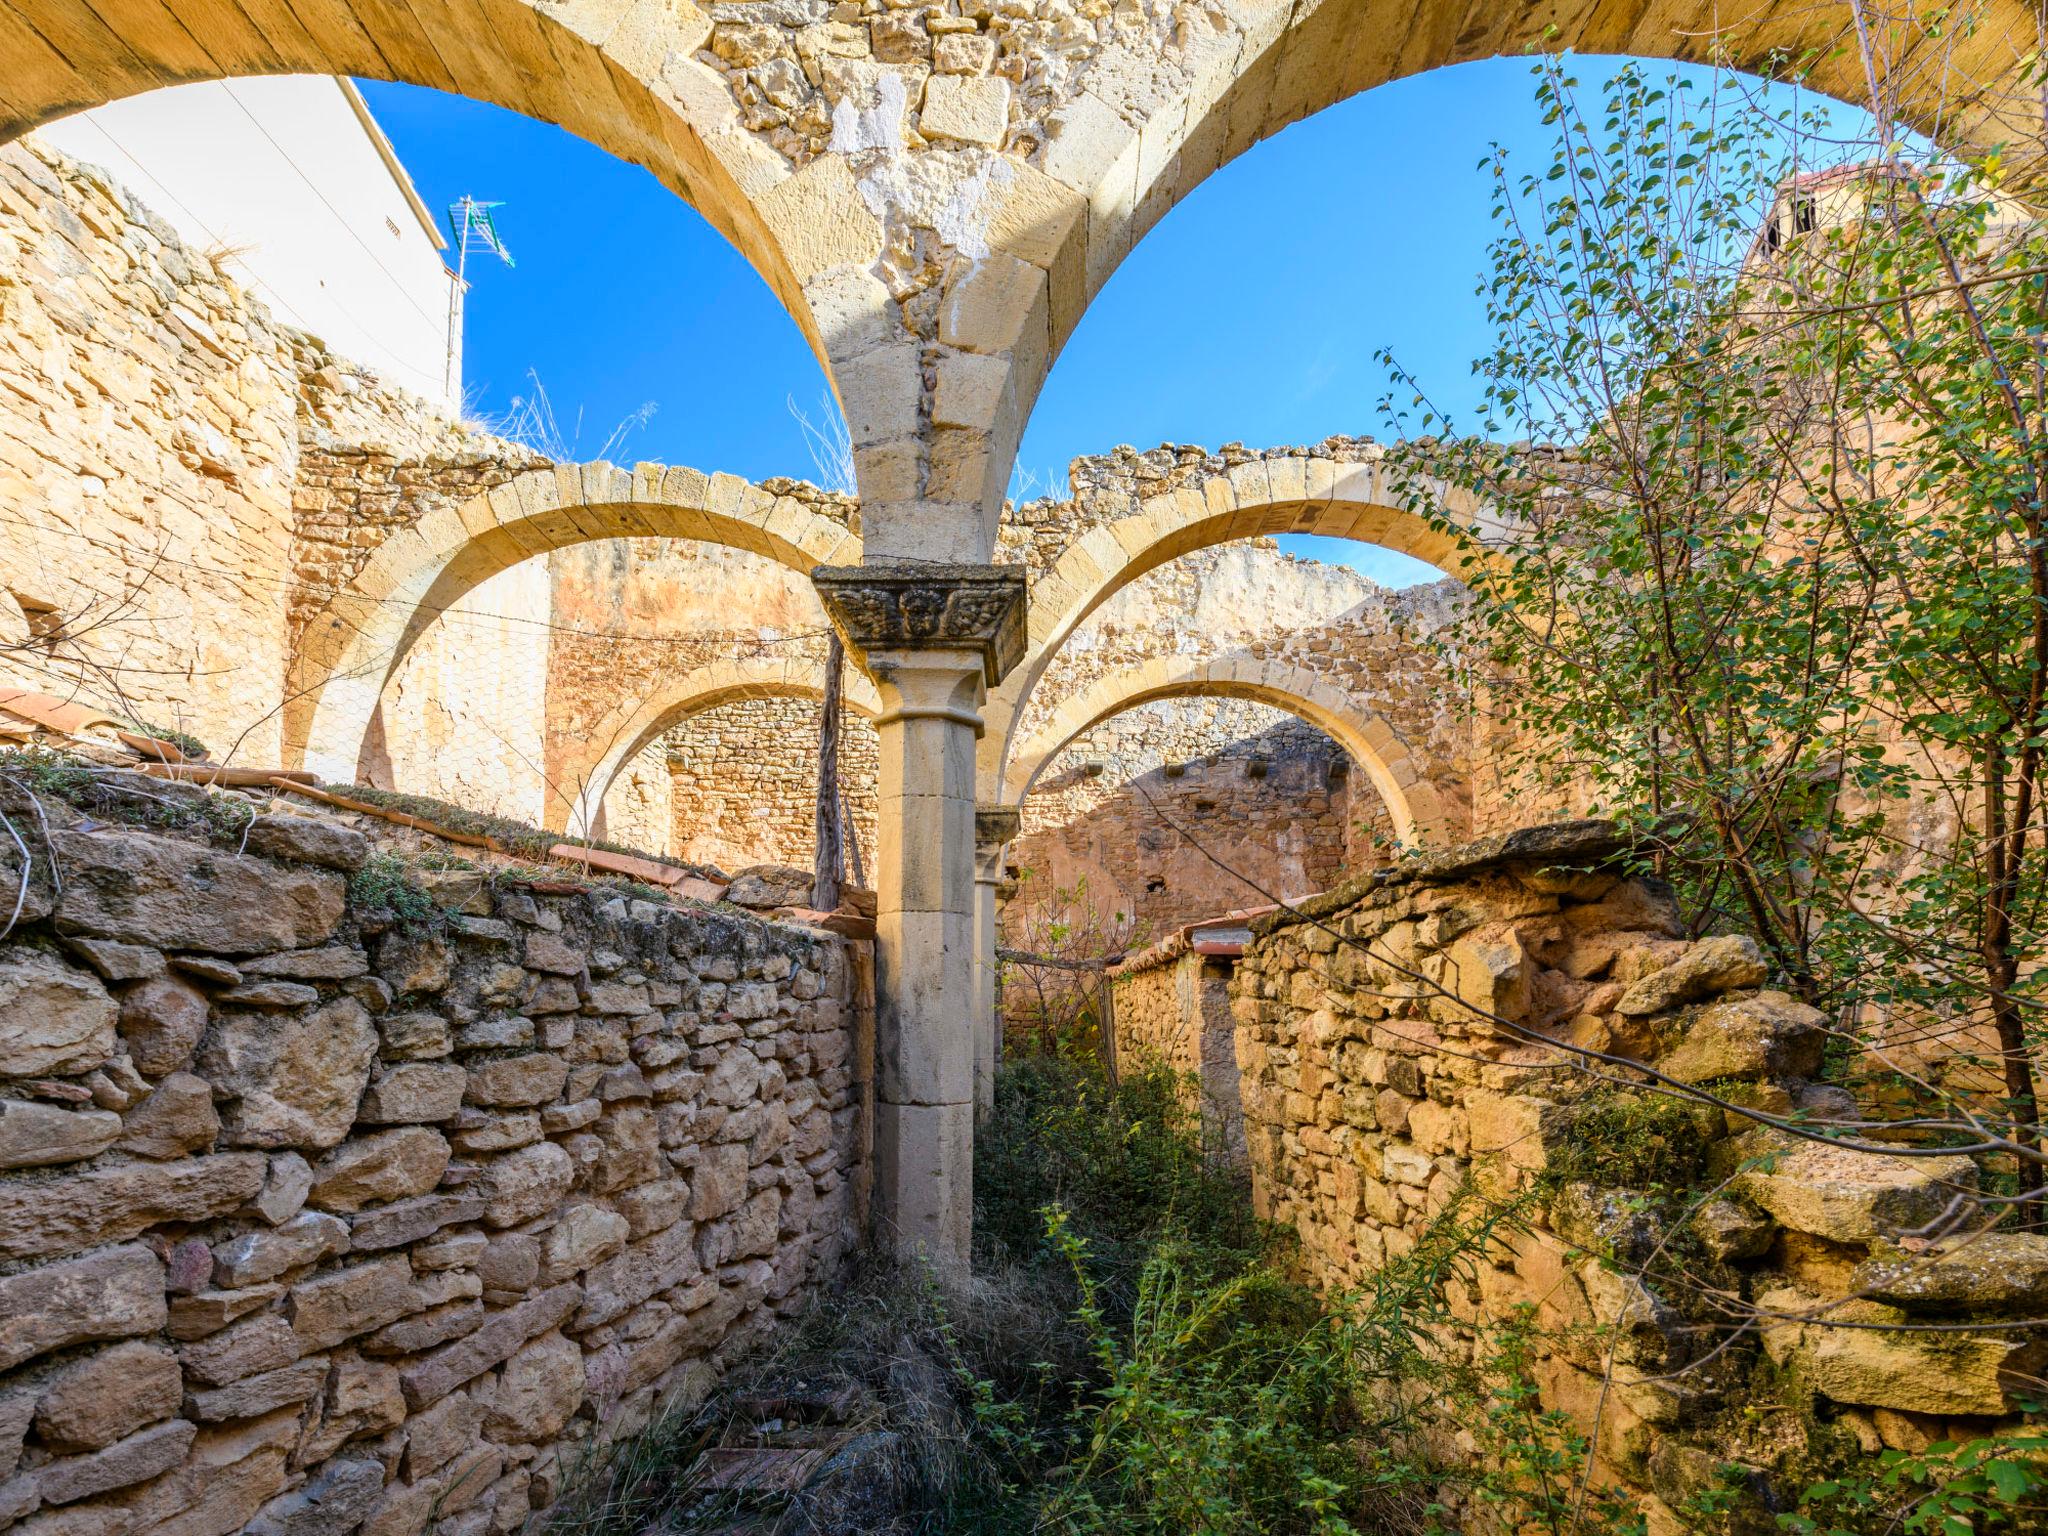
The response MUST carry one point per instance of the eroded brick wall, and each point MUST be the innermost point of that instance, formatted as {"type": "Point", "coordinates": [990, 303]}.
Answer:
{"type": "Point", "coordinates": [1392, 1040]}
{"type": "Point", "coordinates": [316, 1221]}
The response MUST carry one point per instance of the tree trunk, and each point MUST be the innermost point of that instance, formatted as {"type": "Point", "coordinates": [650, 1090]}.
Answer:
{"type": "Point", "coordinates": [831, 830]}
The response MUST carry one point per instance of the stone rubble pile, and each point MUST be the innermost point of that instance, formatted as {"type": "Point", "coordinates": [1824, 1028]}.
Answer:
{"type": "Point", "coordinates": [1390, 1036]}
{"type": "Point", "coordinates": [317, 1221]}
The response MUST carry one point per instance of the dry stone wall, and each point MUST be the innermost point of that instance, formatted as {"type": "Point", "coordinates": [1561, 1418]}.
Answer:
{"type": "Point", "coordinates": [1393, 1039]}
{"type": "Point", "coordinates": [1172, 1006]}
{"type": "Point", "coordinates": [743, 783]}
{"type": "Point", "coordinates": [312, 1220]}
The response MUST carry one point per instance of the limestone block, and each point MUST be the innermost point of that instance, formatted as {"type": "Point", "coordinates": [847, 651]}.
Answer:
{"type": "Point", "coordinates": [116, 1293]}
{"type": "Point", "coordinates": [294, 1082]}
{"type": "Point", "coordinates": [410, 1221]}
{"type": "Point", "coordinates": [1771, 1034]}
{"type": "Point", "coordinates": [107, 1204]}
{"type": "Point", "coordinates": [337, 1500]}
{"type": "Point", "coordinates": [246, 1348]}
{"type": "Point", "coordinates": [821, 221]}
{"type": "Point", "coordinates": [1847, 1196]}
{"type": "Point", "coordinates": [584, 1236]}
{"type": "Point", "coordinates": [524, 1184]}
{"type": "Point", "coordinates": [54, 1018]}
{"type": "Point", "coordinates": [174, 895]}
{"type": "Point", "coordinates": [255, 1257]}
{"type": "Point", "coordinates": [414, 1036]}
{"type": "Point", "coordinates": [1977, 1272]}
{"type": "Point", "coordinates": [142, 1455]}
{"type": "Point", "coordinates": [161, 1022]}
{"type": "Point", "coordinates": [391, 1165]}
{"type": "Point", "coordinates": [94, 1401]}
{"type": "Point", "coordinates": [177, 1119]}
{"type": "Point", "coordinates": [287, 1180]}
{"type": "Point", "coordinates": [966, 108]}
{"type": "Point", "coordinates": [309, 840]}
{"type": "Point", "coordinates": [338, 1306]}
{"type": "Point", "coordinates": [34, 1134]}
{"type": "Point", "coordinates": [1491, 974]}
{"type": "Point", "coordinates": [413, 1093]}
{"type": "Point", "coordinates": [512, 1081]}
{"type": "Point", "coordinates": [250, 1397]}
{"type": "Point", "coordinates": [414, 962]}
{"type": "Point", "coordinates": [539, 1389]}
{"type": "Point", "coordinates": [1711, 966]}
{"type": "Point", "coordinates": [1939, 1373]}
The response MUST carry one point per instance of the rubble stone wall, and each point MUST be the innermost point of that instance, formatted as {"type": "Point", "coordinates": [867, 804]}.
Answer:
{"type": "Point", "coordinates": [147, 444]}
{"type": "Point", "coordinates": [315, 1220]}
{"type": "Point", "coordinates": [1173, 1006]}
{"type": "Point", "coordinates": [743, 783]}
{"type": "Point", "coordinates": [186, 478]}
{"type": "Point", "coordinates": [1391, 1037]}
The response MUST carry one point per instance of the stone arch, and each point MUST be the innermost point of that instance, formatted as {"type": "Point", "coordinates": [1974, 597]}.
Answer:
{"type": "Point", "coordinates": [590, 769]}
{"type": "Point", "coordinates": [353, 645]}
{"type": "Point", "coordinates": [1337, 498]}
{"type": "Point", "coordinates": [619, 73]}
{"type": "Point", "coordinates": [1143, 131]}
{"type": "Point", "coordinates": [1418, 812]}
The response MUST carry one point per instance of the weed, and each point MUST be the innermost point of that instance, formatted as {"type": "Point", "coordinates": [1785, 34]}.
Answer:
{"type": "Point", "coordinates": [386, 884]}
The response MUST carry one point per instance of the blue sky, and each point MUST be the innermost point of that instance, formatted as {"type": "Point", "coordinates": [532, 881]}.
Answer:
{"type": "Point", "coordinates": [1252, 312]}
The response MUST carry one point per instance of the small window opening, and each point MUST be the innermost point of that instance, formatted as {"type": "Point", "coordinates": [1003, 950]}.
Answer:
{"type": "Point", "coordinates": [1805, 215]}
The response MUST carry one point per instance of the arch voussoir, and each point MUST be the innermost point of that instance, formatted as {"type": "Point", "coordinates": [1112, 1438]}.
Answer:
{"type": "Point", "coordinates": [354, 645]}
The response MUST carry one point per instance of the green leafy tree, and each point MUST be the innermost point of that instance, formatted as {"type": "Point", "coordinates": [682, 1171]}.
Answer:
{"type": "Point", "coordinates": [1763, 444]}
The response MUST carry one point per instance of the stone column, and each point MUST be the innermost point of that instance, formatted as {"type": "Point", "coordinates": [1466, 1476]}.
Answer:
{"type": "Point", "coordinates": [935, 638]}
{"type": "Point", "coordinates": [994, 826]}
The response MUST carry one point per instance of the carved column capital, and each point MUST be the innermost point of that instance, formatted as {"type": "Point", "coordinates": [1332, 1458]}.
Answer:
{"type": "Point", "coordinates": [976, 608]}
{"type": "Point", "coordinates": [995, 825]}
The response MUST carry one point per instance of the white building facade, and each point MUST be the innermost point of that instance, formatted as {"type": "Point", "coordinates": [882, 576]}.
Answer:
{"type": "Point", "coordinates": [293, 178]}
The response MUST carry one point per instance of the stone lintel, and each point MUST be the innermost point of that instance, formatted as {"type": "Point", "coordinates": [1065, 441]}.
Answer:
{"type": "Point", "coordinates": [929, 608]}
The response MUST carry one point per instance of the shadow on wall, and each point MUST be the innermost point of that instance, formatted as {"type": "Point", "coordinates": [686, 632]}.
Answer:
{"type": "Point", "coordinates": [1282, 812]}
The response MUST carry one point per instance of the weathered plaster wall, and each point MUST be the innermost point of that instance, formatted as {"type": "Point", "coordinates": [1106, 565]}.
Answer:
{"type": "Point", "coordinates": [1391, 1037]}
{"type": "Point", "coordinates": [1201, 806]}
{"type": "Point", "coordinates": [466, 716]}
{"type": "Point", "coordinates": [311, 1219]}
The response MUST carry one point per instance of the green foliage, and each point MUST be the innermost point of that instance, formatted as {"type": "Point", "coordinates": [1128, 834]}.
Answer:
{"type": "Point", "coordinates": [184, 741]}
{"type": "Point", "coordinates": [386, 884]}
{"type": "Point", "coordinates": [1788, 569]}
{"type": "Point", "coordinates": [1953, 1488]}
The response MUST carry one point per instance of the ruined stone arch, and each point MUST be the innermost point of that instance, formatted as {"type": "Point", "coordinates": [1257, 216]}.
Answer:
{"type": "Point", "coordinates": [355, 643]}
{"type": "Point", "coordinates": [1145, 128]}
{"type": "Point", "coordinates": [1337, 498]}
{"type": "Point", "coordinates": [618, 73]}
{"type": "Point", "coordinates": [1417, 811]}
{"type": "Point", "coordinates": [596, 761]}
